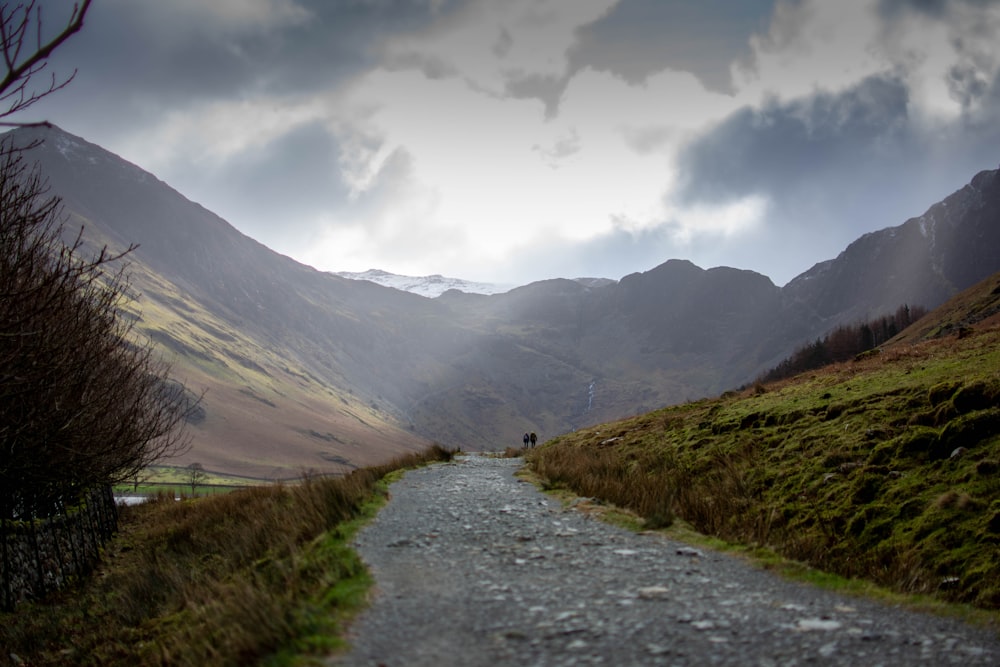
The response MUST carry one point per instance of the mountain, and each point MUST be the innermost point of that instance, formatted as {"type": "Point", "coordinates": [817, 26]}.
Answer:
{"type": "Point", "coordinates": [311, 370]}
{"type": "Point", "coordinates": [277, 345]}
{"type": "Point", "coordinates": [428, 286]}
{"type": "Point", "coordinates": [436, 285]}
{"type": "Point", "coordinates": [925, 260]}
{"type": "Point", "coordinates": [975, 307]}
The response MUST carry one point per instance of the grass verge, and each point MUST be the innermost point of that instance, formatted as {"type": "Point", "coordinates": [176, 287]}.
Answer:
{"type": "Point", "coordinates": [885, 470]}
{"type": "Point", "coordinates": [765, 558]}
{"type": "Point", "coordinates": [258, 576]}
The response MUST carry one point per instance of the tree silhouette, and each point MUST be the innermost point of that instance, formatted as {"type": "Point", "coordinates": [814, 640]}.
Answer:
{"type": "Point", "coordinates": [196, 475]}
{"type": "Point", "coordinates": [26, 52]}
{"type": "Point", "coordinates": [844, 343]}
{"type": "Point", "coordinates": [83, 401]}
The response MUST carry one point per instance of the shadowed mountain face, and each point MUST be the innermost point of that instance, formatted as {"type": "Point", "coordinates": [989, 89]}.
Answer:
{"type": "Point", "coordinates": [310, 370]}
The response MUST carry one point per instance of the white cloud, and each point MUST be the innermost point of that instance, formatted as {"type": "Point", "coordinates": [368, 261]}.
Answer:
{"type": "Point", "coordinates": [945, 61]}
{"type": "Point", "coordinates": [448, 172]}
{"type": "Point", "coordinates": [720, 222]}
{"type": "Point", "coordinates": [240, 15]}
{"type": "Point", "coordinates": [444, 168]}
{"type": "Point", "coordinates": [498, 174]}
{"type": "Point", "coordinates": [212, 133]}
{"type": "Point", "coordinates": [813, 45]}
{"type": "Point", "coordinates": [817, 45]}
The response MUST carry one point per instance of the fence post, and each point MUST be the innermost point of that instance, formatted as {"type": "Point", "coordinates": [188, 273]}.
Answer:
{"type": "Point", "coordinates": [38, 557]}
{"type": "Point", "coordinates": [54, 527]}
{"type": "Point", "coordinates": [8, 599]}
{"type": "Point", "coordinates": [71, 536]}
{"type": "Point", "coordinates": [109, 497]}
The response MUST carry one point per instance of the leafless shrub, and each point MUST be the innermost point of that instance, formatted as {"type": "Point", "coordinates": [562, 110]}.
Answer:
{"type": "Point", "coordinates": [25, 48]}
{"type": "Point", "coordinates": [83, 400]}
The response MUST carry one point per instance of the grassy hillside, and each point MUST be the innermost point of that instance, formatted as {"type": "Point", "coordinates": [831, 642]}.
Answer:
{"type": "Point", "coordinates": [267, 414]}
{"type": "Point", "coordinates": [886, 468]}
{"type": "Point", "coordinates": [978, 305]}
{"type": "Point", "coordinates": [308, 370]}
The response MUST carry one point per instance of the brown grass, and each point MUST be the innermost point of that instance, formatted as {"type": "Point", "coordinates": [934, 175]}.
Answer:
{"type": "Point", "coordinates": [222, 580]}
{"type": "Point", "coordinates": [855, 469]}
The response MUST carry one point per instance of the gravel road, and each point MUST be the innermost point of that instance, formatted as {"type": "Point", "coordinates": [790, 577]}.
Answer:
{"type": "Point", "coordinates": [475, 567]}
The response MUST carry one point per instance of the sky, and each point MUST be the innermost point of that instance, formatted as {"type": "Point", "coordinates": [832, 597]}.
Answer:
{"type": "Point", "coordinates": [518, 140]}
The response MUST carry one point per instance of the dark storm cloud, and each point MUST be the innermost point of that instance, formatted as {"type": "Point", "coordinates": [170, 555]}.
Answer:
{"type": "Point", "coordinates": [840, 163]}
{"type": "Point", "coordinates": [279, 187]}
{"type": "Point", "coordinates": [318, 126]}
{"type": "Point", "coordinates": [891, 8]}
{"type": "Point", "coordinates": [780, 148]}
{"type": "Point", "coordinates": [144, 56]}
{"type": "Point", "coordinates": [640, 37]}
{"type": "Point", "coordinates": [933, 8]}
{"type": "Point", "coordinates": [343, 37]}
{"type": "Point", "coordinates": [168, 54]}
{"type": "Point", "coordinates": [547, 89]}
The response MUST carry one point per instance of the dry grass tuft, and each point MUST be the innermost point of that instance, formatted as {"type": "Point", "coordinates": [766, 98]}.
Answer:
{"type": "Point", "coordinates": [883, 469]}
{"type": "Point", "coordinates": [222, 580]}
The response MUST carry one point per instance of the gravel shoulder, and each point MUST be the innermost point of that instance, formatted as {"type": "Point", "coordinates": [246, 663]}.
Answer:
{"type": "Point", "coordinates": [476, 567]}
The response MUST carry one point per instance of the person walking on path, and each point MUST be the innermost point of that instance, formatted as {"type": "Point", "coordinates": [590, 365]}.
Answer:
{"type": "Point", "coordinates": [527, 438]}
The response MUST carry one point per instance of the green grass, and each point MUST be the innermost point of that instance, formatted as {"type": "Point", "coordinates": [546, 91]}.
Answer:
{"type": "Point", "coordinates": [175, 490]}
{"type": "Point", "coordinates": [174, 480]}
{"type": "Point", "coordinates": [180, 474]}
{"type": "Point", "coordinates": [848, 470]}
{"type": "Point", "coordinates": [261, 575]}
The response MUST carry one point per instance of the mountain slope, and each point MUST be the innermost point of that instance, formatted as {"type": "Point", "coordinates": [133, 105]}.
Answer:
{"type": "Point", "coordinates": [978, 306]}
{"type": "Point", "coordinates": [311, 370]}
{"type": "Point", "coordinates": [925, 260]}
{"type": "Point", "coordinates": [250, 326]}
{"type": "Point", "coordinates": [883, 468]}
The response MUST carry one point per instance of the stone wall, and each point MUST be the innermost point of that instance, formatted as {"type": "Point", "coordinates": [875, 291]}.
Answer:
{"type": "Point", "coordinates": [42, 555]}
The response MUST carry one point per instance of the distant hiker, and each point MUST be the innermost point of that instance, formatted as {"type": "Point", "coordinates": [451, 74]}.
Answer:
{"type": "Point", "coordinates": [526, 439]}
{"type": "Point", "coordinates": [534, 438]}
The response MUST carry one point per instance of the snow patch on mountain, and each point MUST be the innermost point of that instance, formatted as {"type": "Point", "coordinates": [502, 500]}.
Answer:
{"type": "Point", "coordinates": [65, 144]}
{"type": "Point", "coordinates": [427, 286]}
{"type": "Point", "coordinates": [77, 151]}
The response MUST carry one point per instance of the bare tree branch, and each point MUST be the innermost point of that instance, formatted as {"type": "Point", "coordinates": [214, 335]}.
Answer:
{"type": "Point", "coordinates": [83, 399]}
{"type": "Point", "coordinates": [23, 60]}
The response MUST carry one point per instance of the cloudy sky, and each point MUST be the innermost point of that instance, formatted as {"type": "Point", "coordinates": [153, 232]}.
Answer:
{"type": "Point", "coordinates": [517, 140]}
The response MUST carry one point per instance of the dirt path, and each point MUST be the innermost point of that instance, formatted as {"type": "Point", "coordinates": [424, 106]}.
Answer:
{"type": "Point", "coordinates": [474, 567]}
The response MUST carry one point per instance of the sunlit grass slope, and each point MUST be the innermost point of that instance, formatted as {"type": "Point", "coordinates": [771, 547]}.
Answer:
{"type": "Point", "coordinates": [886, 468]}
{"type": "Point", "coordinates": [266, 414]}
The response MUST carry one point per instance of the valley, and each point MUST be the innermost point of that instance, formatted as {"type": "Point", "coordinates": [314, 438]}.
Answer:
{"type": "Point", "coordinates": [881, 469]}
{"type": "Point", "coordinates": [308, 371]}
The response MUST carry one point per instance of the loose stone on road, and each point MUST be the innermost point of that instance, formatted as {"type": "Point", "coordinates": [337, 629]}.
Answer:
{"type": "Point", "coordinates": [475, 567]}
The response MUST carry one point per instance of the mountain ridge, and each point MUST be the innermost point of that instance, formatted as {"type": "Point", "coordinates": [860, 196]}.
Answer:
{"type": "Point", "coordinates": [362, 363]}
{"type": "Point", "coordinates": [431, 286]}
